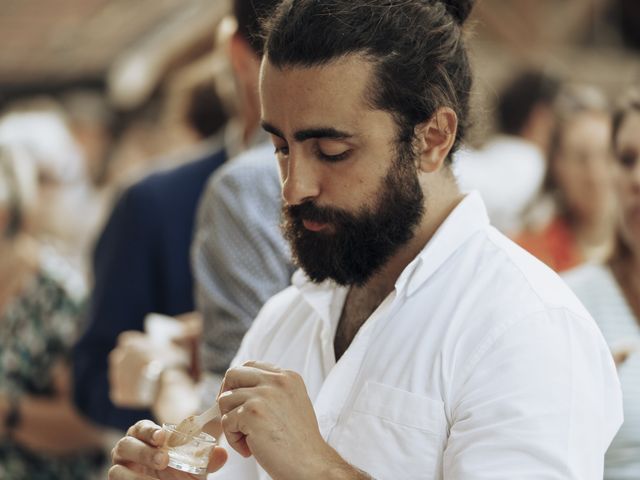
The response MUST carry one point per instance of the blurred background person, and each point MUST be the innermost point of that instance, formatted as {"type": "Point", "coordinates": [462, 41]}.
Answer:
{"type": "Point", "coordinates": [112, 65]}
{"type": "Point", "coordinates": [239, 256]}
{"type": "Point", "coordinates": [64, 218]}
{"type": "Point", "coordinates": [141, 260]}
{"type": "Point", "coordinates": [41, 433]}
{"type": "Point", "coordinates": [509, 169]}
{"type": "Point", "coordinates": [186, 122]}
{"type": "Point", "coordinates": [611, 290]}
{"type": "Point", "coordinates": [578, 195]}
{"type": "Point", "coordinates": [91, 121]}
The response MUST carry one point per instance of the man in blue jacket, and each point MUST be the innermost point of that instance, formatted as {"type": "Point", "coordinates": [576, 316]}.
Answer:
{"type": "Point", "coordinates": [141, 262]}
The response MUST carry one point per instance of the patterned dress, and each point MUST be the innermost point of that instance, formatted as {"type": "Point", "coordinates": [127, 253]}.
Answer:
{"type": "Point", "coordinates": [37, 331]}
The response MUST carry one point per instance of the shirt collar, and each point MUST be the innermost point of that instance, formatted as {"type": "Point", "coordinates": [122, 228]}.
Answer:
{"type": "Point", "coordinates": [326, 298]}
{"type": "Point", "coordinates": [469, 216]}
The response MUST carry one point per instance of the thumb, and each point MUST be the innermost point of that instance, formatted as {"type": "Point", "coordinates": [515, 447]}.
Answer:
{"type": "Point", "coordinates": [217, 459]}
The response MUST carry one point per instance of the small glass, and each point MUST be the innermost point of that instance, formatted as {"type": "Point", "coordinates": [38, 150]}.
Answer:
{"type": "Point", "coordinates": [188, 453]}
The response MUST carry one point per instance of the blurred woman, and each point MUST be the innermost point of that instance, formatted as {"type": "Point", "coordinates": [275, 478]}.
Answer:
{"type": "Point", "coordinates": [41, 435]}
{"type": "Point", "coordinates": [611, 290]}
{"type": "Point", "coordinates": [39, 126]}
{"type": "Point", "coordinates": [578, 184]}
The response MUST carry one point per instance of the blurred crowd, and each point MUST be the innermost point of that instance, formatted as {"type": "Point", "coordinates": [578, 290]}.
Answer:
{"type": "Point", "coordinates": [138, 245]}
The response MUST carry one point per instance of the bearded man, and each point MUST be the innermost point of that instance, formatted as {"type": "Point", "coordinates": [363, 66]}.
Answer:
{"type": "Point", "coordinates": [416, 341]}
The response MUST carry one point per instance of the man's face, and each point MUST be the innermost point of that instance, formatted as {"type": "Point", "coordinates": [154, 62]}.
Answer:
{"type": "Point", "coordinates": [627, 179]}
{"type": "Point", "coordinates": [351, 192]}
{"type": "Point", "coordinates": [582, 166]}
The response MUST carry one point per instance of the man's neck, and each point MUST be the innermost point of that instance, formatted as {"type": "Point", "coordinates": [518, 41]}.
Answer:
{"type": "Point", "coordinates": [363, 300]}
{"type": "Point", "coordinates": [437, 208]}
{"type": "Point", "coordinates": [595, 229]}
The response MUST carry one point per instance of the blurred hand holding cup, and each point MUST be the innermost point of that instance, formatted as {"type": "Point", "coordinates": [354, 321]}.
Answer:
{"type": "Point", "coordinates": [139, 359]}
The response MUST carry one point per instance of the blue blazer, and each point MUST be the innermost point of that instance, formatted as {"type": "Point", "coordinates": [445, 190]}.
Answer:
{"type": "Point", "coordinates": [141, 265]}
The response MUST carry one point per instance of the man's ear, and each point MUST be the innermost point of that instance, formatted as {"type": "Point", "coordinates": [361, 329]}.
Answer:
{"type": "Point", "coordinates": [434, 138]}
{"type": "Point", "coordinates": [244, 61]}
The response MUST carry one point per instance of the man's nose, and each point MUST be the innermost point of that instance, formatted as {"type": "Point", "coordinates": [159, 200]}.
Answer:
{"type": "Point", "coordinates": [300, 180]}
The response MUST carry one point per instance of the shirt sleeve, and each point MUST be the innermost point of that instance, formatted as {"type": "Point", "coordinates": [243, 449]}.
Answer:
{"type": "Point", "coordinates": [238, 467]}
{"type": "Point", "coordinates": [539, 400]}
{"type": "Point", "coordinates": [123, 262]}
{"type": "Point", "coordinates": [240, 258]}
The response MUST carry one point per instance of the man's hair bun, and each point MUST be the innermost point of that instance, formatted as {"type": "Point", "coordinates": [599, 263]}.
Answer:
{"type": "Point", "coordinates": [459, 9]}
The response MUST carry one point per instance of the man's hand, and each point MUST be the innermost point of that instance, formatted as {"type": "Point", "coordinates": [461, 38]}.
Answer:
{"type": "Point", "coordinates": [135, 366]}
{"type": "Point", "coordinates": [138, 456]}
{"type": "Point", "coordinates": [267, 412]}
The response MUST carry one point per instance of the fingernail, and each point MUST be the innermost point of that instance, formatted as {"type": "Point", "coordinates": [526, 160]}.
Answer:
{"type": "Point", "coordinates": [156, 436]}
{"type": "Point", "coordinates": [158, 458]}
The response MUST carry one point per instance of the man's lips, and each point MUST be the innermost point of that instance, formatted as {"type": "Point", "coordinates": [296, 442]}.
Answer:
{"type": "Point", "coordinates": [314, 226]}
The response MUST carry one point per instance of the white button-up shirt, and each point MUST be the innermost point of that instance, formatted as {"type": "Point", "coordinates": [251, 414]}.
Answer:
{"type": "Point", "coordinates": [481, 364]}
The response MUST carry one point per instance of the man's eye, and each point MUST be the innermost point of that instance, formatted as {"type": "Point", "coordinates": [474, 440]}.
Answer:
{"type": "Point", "coordinates": [333, 158]}
{"type": "Point", "coordinates": [281, 151]}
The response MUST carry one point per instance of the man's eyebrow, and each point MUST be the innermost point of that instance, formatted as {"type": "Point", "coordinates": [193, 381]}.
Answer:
{"type": "Point", "coordinates": [302, 135]}
{"type": "Point", "coordinates": [267, 127]}
{"type": "Point", "coordinates": [327, 132]}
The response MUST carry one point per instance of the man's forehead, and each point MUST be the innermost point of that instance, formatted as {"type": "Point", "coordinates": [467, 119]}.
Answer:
{"type": "Point", "coordinates": [344, 72]}
{"type": "Point", "coordinates": [336, 88]}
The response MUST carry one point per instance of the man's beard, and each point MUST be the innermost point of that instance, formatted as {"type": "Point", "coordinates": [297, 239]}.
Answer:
{"type": "Point", "coordinates": [358, 245]}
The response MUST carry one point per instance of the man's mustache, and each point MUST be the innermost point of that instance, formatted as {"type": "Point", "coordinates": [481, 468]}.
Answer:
{"type": "Point", "coordinates": [311, 212]}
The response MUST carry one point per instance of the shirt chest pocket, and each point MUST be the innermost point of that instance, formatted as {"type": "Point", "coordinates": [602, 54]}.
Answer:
{"type": "Point", "coordinates": [393, 434]}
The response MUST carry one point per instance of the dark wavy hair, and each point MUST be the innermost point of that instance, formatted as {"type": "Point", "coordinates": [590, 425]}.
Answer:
{"type": "Point", "coordinates": [521, 95]}
{"type": "Point", "coordinates": [629, 103]}
{"type": "Point", "coordinates": [416, 46]}
{"type": "Point", "coordinates": [249, 15]}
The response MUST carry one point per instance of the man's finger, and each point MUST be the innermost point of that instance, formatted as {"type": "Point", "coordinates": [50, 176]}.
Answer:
{"type": "Point", "coordinates": [217, 459]}
{"type": "Point", "coordinates": [130, 449]}
{"type": "Point", "coordinates": [269, 367]}
{"type": "Point", "coordinates": [241, 377]}
{"type": "Point", "coordinates": [148, 432]}
{"type": "Point", "coordinates": [232, 399]}
{"type": "Point", "coordinates": [120, 472]}
{"type": "Point", "coordinates": [234, 434]}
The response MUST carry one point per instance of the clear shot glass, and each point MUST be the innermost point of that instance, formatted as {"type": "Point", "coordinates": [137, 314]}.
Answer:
{"type": "Point", "coordinates": [188, 453]}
